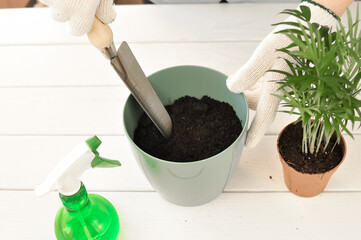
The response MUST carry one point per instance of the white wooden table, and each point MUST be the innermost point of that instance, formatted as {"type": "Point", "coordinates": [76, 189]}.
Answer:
{"type": "Point", "coordinates": [57, 90]}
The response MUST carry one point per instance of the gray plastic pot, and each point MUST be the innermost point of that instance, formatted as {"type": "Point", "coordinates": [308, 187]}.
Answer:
{"type": "Point", "coordinates": [189, 183]}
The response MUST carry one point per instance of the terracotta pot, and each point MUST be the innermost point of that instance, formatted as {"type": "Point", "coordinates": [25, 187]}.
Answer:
{"type": "Point", "coordinates": [305, 184]}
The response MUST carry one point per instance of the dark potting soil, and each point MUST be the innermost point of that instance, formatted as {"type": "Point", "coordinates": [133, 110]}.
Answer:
{"type": "Point", "coordinates": [290, 146]}
{"type": "Point", "coordinates": [201, 129]}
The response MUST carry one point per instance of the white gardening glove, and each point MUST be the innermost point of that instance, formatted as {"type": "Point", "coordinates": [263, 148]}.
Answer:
{"type": "Point", "coordinates": [258, 84]}
{"type": "Point", "coordinates": [80, 13]}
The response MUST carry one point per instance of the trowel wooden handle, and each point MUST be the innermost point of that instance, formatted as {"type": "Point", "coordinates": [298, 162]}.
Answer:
{"type": "Point", "coordinates": [100, 36]}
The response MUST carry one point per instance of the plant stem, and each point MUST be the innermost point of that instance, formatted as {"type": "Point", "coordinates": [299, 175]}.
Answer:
{"type": "Point", "coordinates": [320, 139]}
{"type": "Point", "coordinates": [333, 147]}
{"type": "Point", "coordinates": [314, 134]}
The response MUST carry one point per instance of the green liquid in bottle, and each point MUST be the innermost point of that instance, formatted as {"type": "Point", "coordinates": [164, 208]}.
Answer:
{"type": "Point", "coordinates": [86, 216]}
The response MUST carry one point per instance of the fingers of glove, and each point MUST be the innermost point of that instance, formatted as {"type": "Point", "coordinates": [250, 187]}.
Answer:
{"type": "Point", "coordinates": [80, 13]}
{"type": "Point", "coordinates": [105, 11]}
{"type": "Point", "coordinates": [253, 96]}
{"type": "Point", "coordinates": [81, 24]}
{"type": "Point", "coordinates": [260, 62]}
{"type": "Point", "coordinates": [267, 104]}
{"type": "Point", "coordinates": [57, 12]}
{"type": "Point", "coordinates": [266, 112]}
{"type": "Point", "coordinates": [59, 15]}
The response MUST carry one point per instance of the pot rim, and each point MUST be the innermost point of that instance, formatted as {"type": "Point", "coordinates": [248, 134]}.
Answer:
{"type": "Point", "coordinates": [343, 142]}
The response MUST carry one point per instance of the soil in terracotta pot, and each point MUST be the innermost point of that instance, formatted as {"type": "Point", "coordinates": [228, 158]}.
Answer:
{"type": "Point", "coordinates": [201, 129]}
{"type": "Point", "coordinates": [290, 146]}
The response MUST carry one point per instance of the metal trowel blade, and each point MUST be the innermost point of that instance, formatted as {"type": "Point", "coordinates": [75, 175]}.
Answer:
{"type": "Point", "coordinates": [143, 91]}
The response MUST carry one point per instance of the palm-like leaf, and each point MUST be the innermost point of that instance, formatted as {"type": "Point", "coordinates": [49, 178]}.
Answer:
{"type": "Point", "coordinates": [324, 79]}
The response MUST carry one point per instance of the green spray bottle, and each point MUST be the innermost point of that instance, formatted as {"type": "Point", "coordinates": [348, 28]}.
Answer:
{"type": "Point", "coordinates": [82, 216]}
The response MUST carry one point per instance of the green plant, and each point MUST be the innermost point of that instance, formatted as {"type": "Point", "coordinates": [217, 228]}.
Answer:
{"type": "Point", "coordinates": [322, 84]}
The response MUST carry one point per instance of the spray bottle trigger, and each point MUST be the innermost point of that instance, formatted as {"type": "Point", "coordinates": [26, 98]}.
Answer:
{"type": "Point", "coordinates": [100, 162]}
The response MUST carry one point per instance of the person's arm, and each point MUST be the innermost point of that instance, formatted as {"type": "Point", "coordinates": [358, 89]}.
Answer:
{"type": "Point", "coordinates": [336, 6]}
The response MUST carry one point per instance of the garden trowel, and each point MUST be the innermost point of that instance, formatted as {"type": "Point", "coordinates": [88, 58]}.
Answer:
{"type": "Point", "coordinates": [129, 70]}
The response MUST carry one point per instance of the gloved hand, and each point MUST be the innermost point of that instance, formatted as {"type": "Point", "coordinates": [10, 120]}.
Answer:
{"type": "Point", "coordinates": [258, 84]}
{"type": "Point", "coordinates": [80, 13]}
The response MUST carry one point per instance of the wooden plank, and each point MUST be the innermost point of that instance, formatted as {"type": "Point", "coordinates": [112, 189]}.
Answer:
{"type": "Point", "coordinates": [28, 167]}
{"type": "Point", "coordinates": [83, 65]}
{"type": "Point", "coordinates": [27, 160]}
{"type": "Point", "coordinates": [153, 23]}
{"type": "Point", "coordinates": [150, 23]}
{"type": "Point", "coordinates": [231, 216]}
{"type": "Point", "coordinates": [76, 111]}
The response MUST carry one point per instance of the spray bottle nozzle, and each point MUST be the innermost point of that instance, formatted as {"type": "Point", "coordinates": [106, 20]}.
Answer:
{"type": "Point", "coordinates": [65, 176]}
{"type": "Point", "coordinates": [93, 143]}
